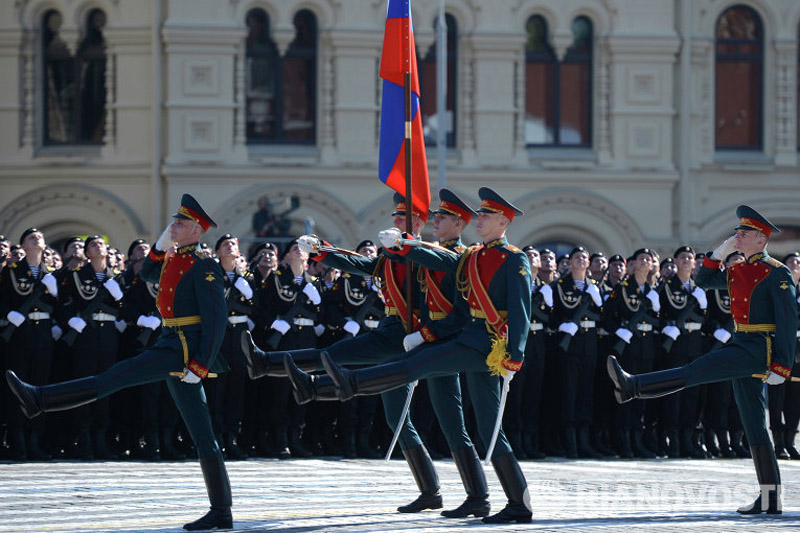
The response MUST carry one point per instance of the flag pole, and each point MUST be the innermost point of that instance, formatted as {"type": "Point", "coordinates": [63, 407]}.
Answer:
{"type": "Point", "coordinates": [406, 47]}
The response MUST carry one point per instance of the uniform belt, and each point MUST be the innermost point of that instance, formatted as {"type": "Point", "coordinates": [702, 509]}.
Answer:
{"type": "Point", "coordinates": [372, 324]}
{"type": "Point", "coordinates": [38, 315]}
{"type": "Point", "coordinates": [644, 327]}
{"type": "Point", "coordinates": [180, 321]}
{"type": "Point", "coordinates": [477, 313]}
{"type": "Point", "coordinates": [302, 322]}
{"type": "Point", "coordinates": [536, 326]}
{"type": "Point", "coordinates": [693, 326]}
{"type": "Point", "coordinates": [587, 324]}
{"type": "Point", "coordinates": [238, 319]}
{"type": "Point", "coordinates": [437, 315]}
{"type": "Point", "coordinates": [392, 311]}
{"type": "Point", "coordinates": [753, 328]}
{"type": "Point", "coordinates": [103, 317]}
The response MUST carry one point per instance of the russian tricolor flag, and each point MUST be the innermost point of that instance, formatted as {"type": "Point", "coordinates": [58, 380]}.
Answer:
{"type": "Point", "coordinates": [399, 56]}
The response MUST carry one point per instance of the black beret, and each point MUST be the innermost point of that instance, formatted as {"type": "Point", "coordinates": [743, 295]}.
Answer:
{"type": "Point", "coordinates": [578, 250]}
{"type": "Point", "coordinates": [736, 252]}
{"type": "Point", "coordinates": [134, 244]}
{"type": "Point", "coordinates": [529, 247]}
{"type": "Point", "coordinates": [3, 238]}
{"type": "Point", "coordinates": [546, 251]}
{"type": "Point", "coordinates": [263, 246]}
{"type": "Point", "coordinates": [288, 247]}
{"type": "Point", "coordinates": [222, 239]}
{"type": "Point", "coordinates": [790, 255]}
{"type": "Point", "coordinates": [682, 249]}
{"type": "Point", "coordinates": [71, 240]}
{"type": "Point", "coordinates": [667, 261]}
{"type": "Point", "coordinates": [28, 232]}
{"type": "Point", "coordinates": [641, 251]}
{"type": "Point", "coordinates": [616, 257]}
{"type": "Point", "coordinates": [596, 255]}
{"type": "Point", "coordinates": [365, 242]}
{"type": "Point", "coordinates": [91, 238]}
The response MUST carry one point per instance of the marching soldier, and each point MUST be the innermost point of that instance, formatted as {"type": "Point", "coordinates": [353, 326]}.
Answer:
{"type": "Point", "coordinates": [192, 303]}
{"type": "Point", "coordinates": [28, 292]}
{"type": "Point", "coordinates": [598, 265]}
{"type": "Point", "coordinates": [495, 280]}
{"type": "Point", "coordinates": [631, 312]}
{"type": "Point", "coordinates": [577, 304]}
{"type": "Point", "coordinates": [764, 309]}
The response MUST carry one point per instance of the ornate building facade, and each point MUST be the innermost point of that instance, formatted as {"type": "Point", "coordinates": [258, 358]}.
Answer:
{"type": "Point", "coordinates": [611, 123]}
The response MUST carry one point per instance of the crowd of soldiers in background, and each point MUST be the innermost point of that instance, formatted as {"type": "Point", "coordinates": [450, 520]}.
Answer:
{"type": "Point", "coordinates": [73, 315]}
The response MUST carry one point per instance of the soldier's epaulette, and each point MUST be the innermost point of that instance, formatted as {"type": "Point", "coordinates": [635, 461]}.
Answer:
{"type": "Point", "coordinates": [50, 269]}
{"type": "Point", "coordinates": [116, 272]}
{"type": "Point", "coordinates": [512, 248]}
{"type": "Point", "coordinates": [14, 265]}
{"type": "Point", "coordinates": [278, 272]}
{"type": "Point", "coordinates": [460, 249]}
{"type": "Point", "coordinates": [624, 283]}
{"type": "Point", "coordinates": [561, 280]}
{"type": "Point", "coordinates": [774, 263]}
{"type": "Point", "coordinates": [247, 275]}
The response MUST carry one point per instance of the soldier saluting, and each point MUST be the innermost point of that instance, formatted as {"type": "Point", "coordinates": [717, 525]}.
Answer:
{"type": "Point", "coordinates": [191, 301]}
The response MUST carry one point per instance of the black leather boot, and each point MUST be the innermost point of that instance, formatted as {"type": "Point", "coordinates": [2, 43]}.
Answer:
{"type": "Point", "coordinates": [780, 447]}
{"type": "Point", "coordinates": [35, 451]}
{"type": "Point", "coordinates": [366, 381]}
{"type": "Point", "coordinates": [261, 363]}
{"type": "Point", "coordinates": [688, 448]}
{"type": "Point", "coordinates": [789, 436]}
{"type": "Point", "coordinates": [530, 441]}
{"type": "Point", "coordinates": [725, 449]}
{"type": "Point", "coordinates": [711, 443]}
{"type": "Point", "coordinates": [769, 481]}
{"type": "Point", "coordinates": [518, 508]}
{"type": "Point", "coordinates": [296, 446]}
{"type": "Point", "coordinates": [101, 450]}
{"type": "Point", "coordinates": [16, 445]}
{"type": "Point", "coordinates": [427, 481]}
{"type": "Point", "coordinates": [83, 446]}
{"type": "Point", "coordinates": [474, 480]}
{"type": "Point", "coordinates": [602, 444]}
{"type": "Point", "coordinates": [639, 449]}
{"type": "Point", "coordinates": [515, 439]}
{"type": "Point", "coordinates": [623, 437]}
{"type": "Point", "coordinates": [306, 387]}
{"type": "Point", "coordinates": [363, 447]}
{"type": "Point", "coordinates": [737, 445]}
{"type": "Point", "coordinates": [570, 443]}
{"type": "Point", "coordinates": [232, 448]}
{"type": "Point", "coordinates": [219, 494]}
{"type": "Point", "coordinates": [673, 444]}
{"type": "Point", "coordinates": [585, 448]}
{"type": "Point", "coordinates": [57, 397]}
{"type": "Point", "coordinates": [150, 451]}
{"type": "Point", "coordinates": [628, 387]}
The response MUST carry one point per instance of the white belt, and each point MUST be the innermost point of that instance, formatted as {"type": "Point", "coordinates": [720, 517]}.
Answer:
{"type": "Point", "coordinates": [372, 324]}
{"type": "Point", "coordinates": [103, 317]}
{"type": "Point", "coordinates": [302, 322]}
{"type": "Point", "coordinates": [644, 327]}
{"type": "Point", "coordinates": [587, 323]}
{"type": "Point", "coordinates": [536, 326]}
{"type": "Point", "coordinates": [38, 315]}
{"type": "Point", "coordinates": [693, 326]}
{"type": "Point", "coordinates": [239, 319]}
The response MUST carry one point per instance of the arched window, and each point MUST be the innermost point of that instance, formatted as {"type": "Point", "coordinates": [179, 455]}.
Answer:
{"type": "Point", "coordinates": [281, 91]}
{"type": "Point", "coordinates": [558, 94]}
{"type": "Point", "coordinates": [427, 87]}
{"type": "Point", "coordinates": [739, 65]}
{"type": "Point", "coordinates": [74, 87]}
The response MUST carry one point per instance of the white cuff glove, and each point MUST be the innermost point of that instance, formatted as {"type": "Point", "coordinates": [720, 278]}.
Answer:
{"type": "Point", "coordinates": [412, 340]}
{"type": "Point", "coordinates": [725, 249]}
{"type": "Point", "coordinates": [15, 317]}
{"type": "Point", "coordinates": [77, 323]}
{"type": "Point", "coordinates": [509, 375]}
{"type": "Point", "coordinates": [281, 326]}
{"type": "Point", "coordinates": [312, 293]}
{"type": "Point", "coordinates": [190, 377]}
{"type": "Point", "coordinates": [308, 244]}
{"type": "Point", "coordinates": [121, 325]}
{"type": "Point", "coordinates": [390, 238]}
{"type": "Point", "coordinates": [653, 297]}
{"type": "Point", "coordinates": [50, 282]}
{"type": "Point", "coordinates": [319, 329]}
{"type": "Point", "coordinates": [250, 325]}
{"type": "Point", "coordinates": [700, 295]}
{"type": "Point", "coordinates": [352, 327]}
{"type": "Point", "coordinates": [722, 335]}
{"type": "Point", "coordinates": [775, 379]}
{"type": "Point", "coordinates": [672, 332]}
{"type": "Point", "coordinates": [594, 292]}
{"type": "Point", "coordinates": [624, 334]}
{"type": "Point", "coordinates": [113, 288]}
{"type": "Point", "coordinates": [143, 321]}
{"type": "Point", "coordinates": [570, 328]}
{"type": "Point", "coordinates": [243, 287]}
{"type": "Point", "coordinates": [165, 242]}
{"type": "Point", "coordinates": [56, 332]}
{"type": "Point", "coordinates": [547, 293]}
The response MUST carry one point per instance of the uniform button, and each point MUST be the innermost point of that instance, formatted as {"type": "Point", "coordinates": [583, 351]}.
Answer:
{"type": "Point", "coordinates": [170, 289]}
{"type": "Point", "coordinates": [102, 324]}
{"type": "Point", "coordinates": [745, 299]}
{"type": "Point", "coordinates": [180, 272]}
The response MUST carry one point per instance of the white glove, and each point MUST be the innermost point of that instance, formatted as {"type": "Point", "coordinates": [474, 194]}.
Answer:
{"type": "Point", "coordinates": [312, 293]}
{"type": "Point", "coordinates": [672, 332]}
{"type": "Point", "coordinates": [50, 282]}
{"type": "Point", "coordinates": [352, 327]}
{"type": "Point", "coordinates": [308, 243]}
{"type": "Point", "coordinates": [594, 292]}
{"type": "Point", "coordinates": [165, 242]}
{"type": "Point", "coordinates": [190, 377]}
{"type": "Point", "coordinates": [725, 249]}
{"type": "Point", "coordinates": [244, 287]}
{"type": "Point", "coordinates": [624, 334]}
{"type": "Point", "coordinates": [281, 326]}
{"type": "Point", "coordinates": [155, 323]}
{"type": "Point", "coordinates": [319, 329]}
{"type": "Point", "coordinates": [390, 238]}
{"type": "Point", "coordinates": [547, 293]}
{"type": "Point", "coordinates": [722, 335]}
{"type": "Point", "coordinates": [775, 379]}
{"type": "Point", "coordinates": [700, 295]}
{"type": "Point", "coordinates": [113, 288]}
{"type": "Point", "coordinates": [77, 323]}
{"type": "Point", "coordinates": [570, 328]}
{"type": "Point", "coordinates": [15, 317]}
{"type": "Point", "coordinates": [143, 321]}
{"type": "Point", "coordinates": [56, 332]}
{"type": "Point", "coordinates": [250, 325]}
{"type": "Point", "coordinates": [653, 297]}
{"type": "Point", "coordinates": [121, 325]}
{"type": "Point", "coordinates": [412, 340]}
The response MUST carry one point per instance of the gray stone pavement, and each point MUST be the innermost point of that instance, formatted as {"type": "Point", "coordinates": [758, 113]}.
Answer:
{"type": "Point", "coordinates": [361, 496]}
